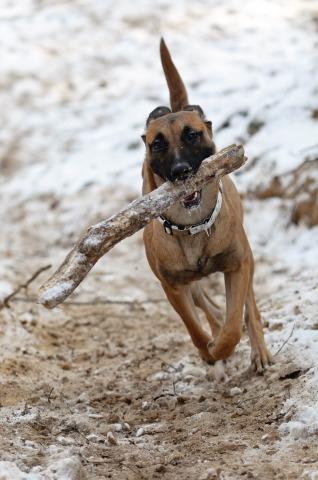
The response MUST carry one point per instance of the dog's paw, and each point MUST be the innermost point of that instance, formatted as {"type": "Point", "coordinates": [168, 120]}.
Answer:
{"type": "Point", "coordinates": [220, 351]}
{"type": "Point", "coordinates": [261, 359]}
{"type": "Point", "coordinates": [205, 355]}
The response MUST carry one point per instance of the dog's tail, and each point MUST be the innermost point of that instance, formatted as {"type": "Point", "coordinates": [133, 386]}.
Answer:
{"type": "Point", "coordinates": [178, 93]}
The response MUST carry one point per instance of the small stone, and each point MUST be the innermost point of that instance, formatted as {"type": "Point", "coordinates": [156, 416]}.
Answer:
{"type": "Point", "coordinates": [235, 391]}
{"type": "Point", "coordinates": [93, 438]}
{"type": "Point", "coordinates": [242, 472]}
{"type": "Point", "coordinates": [83, 398]}
{"type": "Point", "coordinates": [113, 418]}
{"type": "Point", "coordinates": [160, 468]}
{"type": "Point", "coordinates": [111, 439]}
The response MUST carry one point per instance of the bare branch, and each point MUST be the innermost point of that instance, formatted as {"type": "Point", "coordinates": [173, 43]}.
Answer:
{"type": "Point", "coordinates": [101, 237]}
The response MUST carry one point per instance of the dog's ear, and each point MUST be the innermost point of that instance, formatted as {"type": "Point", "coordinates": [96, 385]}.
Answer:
{"type": "Point", "coordinates": [198, 109]}
{"type": "Point", "coordinates": [156, 113]}
{"type": "Point", "coordinates": [195, 108]}
{"type": "Point", "coordinates": [148, 184]}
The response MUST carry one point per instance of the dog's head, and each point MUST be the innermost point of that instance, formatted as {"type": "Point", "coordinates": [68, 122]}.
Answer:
{"type": "Point", "coordinates": [177, 143]}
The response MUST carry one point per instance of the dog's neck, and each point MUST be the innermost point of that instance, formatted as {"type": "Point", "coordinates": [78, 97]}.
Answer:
{"type": "Point", "coordinates": [180, 215]}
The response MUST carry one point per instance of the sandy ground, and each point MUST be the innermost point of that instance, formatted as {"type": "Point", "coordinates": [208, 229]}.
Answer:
{"type": "Point", "coordinates": [107, 387]}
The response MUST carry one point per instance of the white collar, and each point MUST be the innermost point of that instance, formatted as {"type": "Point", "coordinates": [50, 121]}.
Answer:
{"type": "Point", "coordinates": [206, 223]}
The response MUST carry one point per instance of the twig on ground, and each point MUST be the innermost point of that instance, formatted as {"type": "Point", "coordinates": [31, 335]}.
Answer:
{"type": "Point", "coordinates": [174, 387]}
{"type": "Point", "coordinates": [115, 302]}
{"type": "Point", "coordinates": [81, 434]}
{"type": "Point", "coordinates": [95, 302]}
{"type": "Point", "coordinates": [65, 402]}
{"type": "Point", "coordinates": [134, 471]}
{"type": "Point", "coordinates": [164, 363]}
{"type": "Point", "coordinates": [72, 429]}
{"type": "Point", "coordinates": [285, 342]}
{"type": "Point", "coordinates": [25, 285]}
{"type": "Point", "coordinates": [249, 399]}
{"type": "Point", "coordinates": [49, 396]}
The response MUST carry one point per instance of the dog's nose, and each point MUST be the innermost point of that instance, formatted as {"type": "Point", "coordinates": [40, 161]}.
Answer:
{"type": "Point", "coordinates": [181, 170]}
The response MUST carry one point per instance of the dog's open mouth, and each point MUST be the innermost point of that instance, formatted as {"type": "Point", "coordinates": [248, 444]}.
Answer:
{"type": "Point", "coordinates": [192, 200]}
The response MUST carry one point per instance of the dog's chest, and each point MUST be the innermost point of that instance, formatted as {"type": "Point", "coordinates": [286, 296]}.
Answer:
{"type": "Point", "coordinates": [196, 260]}
{"type": "Point", "coordinates": [195, 257]}
{"type": "Point", "coordinates": [199, 261]}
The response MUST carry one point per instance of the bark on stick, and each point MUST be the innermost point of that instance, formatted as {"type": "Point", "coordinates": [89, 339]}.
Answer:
{"type": "Point", "coordinates": [100, 238]}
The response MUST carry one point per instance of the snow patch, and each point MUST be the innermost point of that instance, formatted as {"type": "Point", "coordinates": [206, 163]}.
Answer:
{"type": "Point", "coordinates": [64, 469]}
{"type": "Point", "coordinates": [304, 425]}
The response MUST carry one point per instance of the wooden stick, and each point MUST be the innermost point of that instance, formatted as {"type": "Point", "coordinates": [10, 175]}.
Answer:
{"type": "Point", "coordinates": [100, 238]}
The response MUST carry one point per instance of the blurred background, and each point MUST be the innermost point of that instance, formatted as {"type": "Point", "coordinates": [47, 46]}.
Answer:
{"type": "Point", "coordinates": [78, 79]}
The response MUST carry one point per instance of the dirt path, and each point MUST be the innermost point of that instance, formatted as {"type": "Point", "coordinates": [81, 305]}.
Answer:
{"type": "Point", "coordinates": [110, 384]}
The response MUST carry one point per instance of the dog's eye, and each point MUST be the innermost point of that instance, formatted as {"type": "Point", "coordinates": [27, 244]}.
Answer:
{"type": "Point", "coordinates": [156, 146]}
{"type": "Point", "coordinates": [192, 137]}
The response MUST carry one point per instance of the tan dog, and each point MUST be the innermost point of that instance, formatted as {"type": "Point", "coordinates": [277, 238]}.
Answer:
{"type": "Point", "coordinates": [200, 235]}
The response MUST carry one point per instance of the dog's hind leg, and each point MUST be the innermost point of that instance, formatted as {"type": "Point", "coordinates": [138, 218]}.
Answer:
{"type": "Point", "coordinates": [260, 356]}
{"type": "Point", "coordinates": [210, 308]}
{"type": "Point", "coordinates": [183, 303]}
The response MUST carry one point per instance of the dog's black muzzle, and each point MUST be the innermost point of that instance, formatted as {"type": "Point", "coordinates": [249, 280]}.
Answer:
{"type": "Point", "coordinates": [180, 171]}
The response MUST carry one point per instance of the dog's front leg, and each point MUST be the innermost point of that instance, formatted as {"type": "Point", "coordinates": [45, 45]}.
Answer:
{"type": "Point", "coordinates": [261, 358]}
{"type": "Point", "coordinates": [182, 301]}
{"type": "Point", "coordinates": [236, 284]}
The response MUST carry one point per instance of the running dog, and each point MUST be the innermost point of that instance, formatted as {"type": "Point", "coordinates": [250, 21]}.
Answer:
{"type": "Point", "coordinates": [201, 234]}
